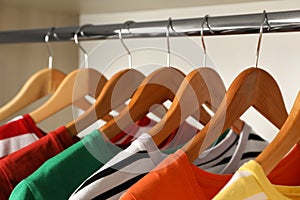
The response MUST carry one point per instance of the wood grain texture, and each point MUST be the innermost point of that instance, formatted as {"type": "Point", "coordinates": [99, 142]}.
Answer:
{"type": "Point", "coordinates": [72, 90]}
{"type": "Point", "coordinates": [201, 86]}
{"type": "Point", "coordinates": [156, 88]}
{"type": "Point", "coordinates": [287, 137]}
{"type": "Point", "coordinates": [253, 87]}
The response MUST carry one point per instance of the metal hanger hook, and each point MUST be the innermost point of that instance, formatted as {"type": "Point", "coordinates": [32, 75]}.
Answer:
{"type": "Point", "coordinates": [204, 21]}
{"type": "Point", "coordinates": [47, 38]}
{"type": "Point", "coordinates": [126, 24]}
{"type": "Point", "coordinates": [170, 24]}
{"type": "Point", "coordinates": [264, 20]}
{"type": "Point", "coordinates": [80, 31]}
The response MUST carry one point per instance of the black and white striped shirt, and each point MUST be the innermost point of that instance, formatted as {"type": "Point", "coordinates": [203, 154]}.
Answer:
{"type": "Point", "coordinates": [130, 165]}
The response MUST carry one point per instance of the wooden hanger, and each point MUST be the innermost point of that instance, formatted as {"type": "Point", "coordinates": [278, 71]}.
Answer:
{"type": "Point", "coordinates": [159, 86]}
{"type": "Point", "coordinates": [73, 89]}
{"type": "Point", "coordinates": [156, 88]}
{"type": "Point", "coordinates": [253, 87]}
{"type": "Point", "coordinates": [287, 137]}
{"type": "Point", "coordinates": [201, 86]}
{"type": "Point", "coordinates": [42, 83]}
{"type": "Point", "coordinates": [116, 91]}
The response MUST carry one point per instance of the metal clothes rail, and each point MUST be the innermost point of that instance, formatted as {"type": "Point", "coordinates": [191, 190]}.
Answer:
{"type": "Point", "coordinates": [285, 21]}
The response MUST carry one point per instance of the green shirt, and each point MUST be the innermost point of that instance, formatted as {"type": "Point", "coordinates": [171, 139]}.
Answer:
{"type": "Point", "coordinates": [61, 175]}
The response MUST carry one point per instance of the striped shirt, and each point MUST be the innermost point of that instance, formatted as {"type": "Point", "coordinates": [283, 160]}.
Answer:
{"type": "Point", "coordinates": [130, 165]}
{"type": "Point", "coordinates": [18, 133]}
{"type": "Point", "coordinates": [232, 152]}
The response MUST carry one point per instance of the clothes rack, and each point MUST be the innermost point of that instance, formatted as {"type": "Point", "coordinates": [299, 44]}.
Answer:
{"type": "Point", "coordinates": [284, 21]}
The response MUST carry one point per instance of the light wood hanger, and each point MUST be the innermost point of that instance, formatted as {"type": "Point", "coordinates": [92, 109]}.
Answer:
{"type": "Point", "coordinates": [116, 91]}
{"type": "Point", "coordinates": [40, 84]}
{"type": "Point", "coordinates": [201, 86]}
{"type": "Point", "coordinates": [159, 86]}
{"type": "Point", "coordinates": [253, 87]}
{"type": "Point", "coordinates": [156, 88]}
{"type": "Point", "coordinates": [287, 137]}
{"type": "Point", "coordinates": [73, 89]}
{"type": "Point", "coordinates": [149, 90]}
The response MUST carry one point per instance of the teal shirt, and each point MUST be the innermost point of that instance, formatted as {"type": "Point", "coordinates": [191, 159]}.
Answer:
{"type": "Point", "coordinates": [59, 177]}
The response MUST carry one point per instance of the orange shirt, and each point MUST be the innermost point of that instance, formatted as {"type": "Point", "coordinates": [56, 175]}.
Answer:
{"type": "Point", "coordinates": [176, 178]}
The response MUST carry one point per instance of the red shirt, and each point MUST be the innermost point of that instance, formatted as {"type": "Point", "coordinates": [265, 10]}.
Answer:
{"type": "Point", "coordinates": [18, 134]}
{"type": "Point", "coordinates": [178, 137]}
{"type": "Point", "coordinates": [20, 164]}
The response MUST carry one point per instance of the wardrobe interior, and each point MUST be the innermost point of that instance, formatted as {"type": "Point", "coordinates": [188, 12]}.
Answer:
{"type": "Point", "coordinates": [229, 55]}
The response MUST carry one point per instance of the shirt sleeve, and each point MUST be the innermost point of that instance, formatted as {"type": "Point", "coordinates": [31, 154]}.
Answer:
{"type": "Point", "coordinates": [22, 191]}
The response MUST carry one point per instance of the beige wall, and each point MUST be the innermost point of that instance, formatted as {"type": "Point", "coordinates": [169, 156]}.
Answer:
{"type": "Point", "coordinates": [229, 54]}
{"type": "Point", "coordinates": [19, 61]}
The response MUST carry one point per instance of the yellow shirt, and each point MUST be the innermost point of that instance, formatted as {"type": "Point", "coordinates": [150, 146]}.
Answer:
{"type": "Point", "coordinates": [251, 183]}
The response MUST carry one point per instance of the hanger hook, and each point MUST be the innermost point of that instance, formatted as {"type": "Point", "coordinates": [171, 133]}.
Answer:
{"type": "Point", "coordinates": [80, 31]}
{"type": "Point", "coordinates": [170, 24]}
{"type": "Point", "coordinates": [264, 20]}
{"type": "Point", "coordinates": [47, 38]}
{"type": "Point", "coordinates": [126, 24]}
{"type": "Point", "coordinates": [204, 21]}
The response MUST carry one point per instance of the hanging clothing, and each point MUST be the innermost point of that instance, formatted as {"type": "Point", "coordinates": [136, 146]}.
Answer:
{"type": "Point", "coordinates": [18, 133]}
{"type": "Point", "coordinates": [176, 178]}
{"type": "Point", "coordinates": [195, 182]}
{"type": "Point", "coordinates": [287, 171]}
{"type": "Point", "coordinates": [231, 153]}
{"type": "Point", "coordinates": [70, 168]}
{"type": "Point", "coordinates": [122, 171]}
{"type": "Point", "coordinates": [58, 177]}
{"type": "Point", "coordinates": [250, 183]}
{"type": "Point", "coordinates": [112, 180]}
{"type": "Point", "coordinates": [284, 177]}
{"type": "Point", "coordinates": [20, 164]}
{"type": "Point", "coordinates": [143, 125]}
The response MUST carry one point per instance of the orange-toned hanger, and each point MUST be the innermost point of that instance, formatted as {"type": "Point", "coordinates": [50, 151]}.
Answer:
{"type": "Point", "coordinates": [287, 137]}
{"type": "Point", "coordinates": [115, 92]}
{"type": "Point", "coordinates": [40, 84]}
{"type": "Point", "coordinates": [84, 81]}
{"type": "Point", "coordinates": [253, 87]}
{"type": "Point", "coordinates": [201, 86]}
{"type": "Point", "coordinates": [159, 86]}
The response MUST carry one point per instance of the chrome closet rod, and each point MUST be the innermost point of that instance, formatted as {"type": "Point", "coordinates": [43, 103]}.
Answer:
{"type": "Point", "coordinates": [285, 21]}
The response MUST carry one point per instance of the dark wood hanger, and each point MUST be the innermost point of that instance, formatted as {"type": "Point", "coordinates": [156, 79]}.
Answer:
{"type": "Point", "coordinates": [253, 87]}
